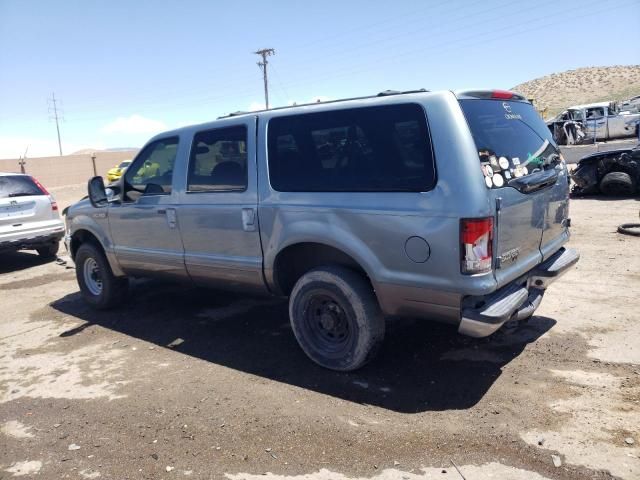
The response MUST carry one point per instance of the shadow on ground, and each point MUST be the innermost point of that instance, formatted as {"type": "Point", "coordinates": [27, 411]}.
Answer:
{"type": "Point", "coordinates": [16, 261]}
{"type": "Point", "coordinates": [422, 366]}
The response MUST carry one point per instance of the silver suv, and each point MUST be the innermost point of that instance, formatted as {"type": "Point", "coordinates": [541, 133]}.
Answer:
{"type": "Point", "coordinates": [448, 206]}
{"type": "Point", "coordinates": [29, 217]}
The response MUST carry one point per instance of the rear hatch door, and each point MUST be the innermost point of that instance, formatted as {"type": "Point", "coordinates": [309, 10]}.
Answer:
{"type": "Point", "coordinates": [21, 203]}
{"type": "Point", "coordinates": [526, 179]}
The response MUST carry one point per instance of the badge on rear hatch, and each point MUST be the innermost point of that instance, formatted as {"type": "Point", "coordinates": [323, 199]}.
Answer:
{"type": "Point", "coordinates": [510, 256]}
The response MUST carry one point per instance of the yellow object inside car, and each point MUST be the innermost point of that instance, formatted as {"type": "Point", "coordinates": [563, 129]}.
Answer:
{"type": "Point", "coordinates": [116, 172]}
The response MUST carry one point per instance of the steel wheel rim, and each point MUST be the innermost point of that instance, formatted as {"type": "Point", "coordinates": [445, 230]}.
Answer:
{"type": "Point", "coordinates": [328, 324]}
{"type": "Point", "coordinates": [92, 276]}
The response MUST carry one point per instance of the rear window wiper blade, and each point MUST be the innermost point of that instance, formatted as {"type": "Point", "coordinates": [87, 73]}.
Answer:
{"type": "Point", "coordinates": [22, 194]}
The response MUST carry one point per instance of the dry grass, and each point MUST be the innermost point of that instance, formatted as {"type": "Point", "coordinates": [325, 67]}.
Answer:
{"type": "Point", "coordinates": [557, 91]}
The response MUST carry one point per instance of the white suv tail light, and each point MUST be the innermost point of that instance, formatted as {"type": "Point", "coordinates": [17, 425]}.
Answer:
{"type": "Point", "coordinates": [54, 204]}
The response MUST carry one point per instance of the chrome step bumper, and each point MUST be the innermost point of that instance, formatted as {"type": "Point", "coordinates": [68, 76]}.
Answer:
{"type": "Point", "coordinates": [519, 299]}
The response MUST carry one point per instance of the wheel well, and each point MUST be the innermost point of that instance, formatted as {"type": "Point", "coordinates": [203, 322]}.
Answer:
{"type": "Point", "coordinates": [80, 237]}
{"type": "Point", "coordinates": [296, 260]}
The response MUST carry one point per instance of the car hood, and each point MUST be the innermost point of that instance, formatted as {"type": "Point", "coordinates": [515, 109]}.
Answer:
{"type": "Point", "coordinates": [75, 208]}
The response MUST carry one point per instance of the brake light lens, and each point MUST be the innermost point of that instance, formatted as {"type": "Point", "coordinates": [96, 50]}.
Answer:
{"type": "Point", "coordinates": [476, 245]}
{"type": "Point", "coordinates": [40, 186]}
{"type": "Point", "coordinates": [54, 204]}
{"type": "Point", "coordinates": [502, 94]}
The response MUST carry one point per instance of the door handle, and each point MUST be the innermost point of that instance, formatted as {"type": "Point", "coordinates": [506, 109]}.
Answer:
{"type": "Point", "coordinates": [170, 213]}
{"type": "Point", "coordinates": [249, 219]}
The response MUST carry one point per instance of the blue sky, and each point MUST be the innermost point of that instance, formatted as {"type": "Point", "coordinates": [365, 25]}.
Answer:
{"type": "Point", "coordinates": [125, 70]}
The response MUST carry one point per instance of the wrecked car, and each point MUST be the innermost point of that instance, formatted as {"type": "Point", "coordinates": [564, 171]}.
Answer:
{"type": "Point", "coordinates": [604, 121]}
{"type": "Point", "coordinates": [615, 173]}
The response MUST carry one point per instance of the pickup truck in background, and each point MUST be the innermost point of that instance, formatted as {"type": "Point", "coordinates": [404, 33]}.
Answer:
{"type": "Point", "coordinates": [593, 122]}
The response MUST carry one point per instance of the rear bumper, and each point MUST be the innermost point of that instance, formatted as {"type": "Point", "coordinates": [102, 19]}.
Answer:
{"type": "Point", "coordinates": [33, 241]}
{"type": "Point", "coordinates": [481, 316]}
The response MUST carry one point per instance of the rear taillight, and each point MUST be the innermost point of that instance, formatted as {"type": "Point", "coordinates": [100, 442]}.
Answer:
{"type": "Point", "coordinates": [54, 204]}
{"type": "Point", "coordinates": [40, 186]}
{"type": "Point", "coordinates": [476, 245]}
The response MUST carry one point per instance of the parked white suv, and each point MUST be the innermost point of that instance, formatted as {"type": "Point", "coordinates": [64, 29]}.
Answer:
{"type": "Point", "coordinates": [29, 217]}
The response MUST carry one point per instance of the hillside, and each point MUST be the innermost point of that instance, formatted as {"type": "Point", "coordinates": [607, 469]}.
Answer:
{"type": "Point", "coordinates": [557, 91]}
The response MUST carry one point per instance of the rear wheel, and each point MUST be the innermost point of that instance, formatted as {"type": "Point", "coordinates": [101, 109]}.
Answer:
{"type": "Point", "coordinates": [48, 251]}
{"type": "Point", "coordinates": [336, 318]}
{"type": "Point", "coordinates": [99, 287]}
{"type": "Point", "coordinates": [617, 183]}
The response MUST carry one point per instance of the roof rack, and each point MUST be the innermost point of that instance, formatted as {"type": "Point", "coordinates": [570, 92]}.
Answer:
{"type": "Point", "coordinates": [387, 93]}
{"type": "Point", "coordinates": [384, 93]}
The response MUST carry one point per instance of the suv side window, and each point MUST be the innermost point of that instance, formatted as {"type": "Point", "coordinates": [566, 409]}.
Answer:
{"type": "Point", "coordinates": [368, 149]}
{"type": "Point", "coordinates": [218, 161]}
{"type": "Point", "coordinates": [152, 169]}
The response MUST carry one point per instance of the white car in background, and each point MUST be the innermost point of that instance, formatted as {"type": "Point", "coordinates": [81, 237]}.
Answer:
{"type": "Point", "coordinates": [29, 217]}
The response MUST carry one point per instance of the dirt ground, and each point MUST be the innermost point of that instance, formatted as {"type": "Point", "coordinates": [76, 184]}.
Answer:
{"type": "Point", "coordinates": [188, 383]}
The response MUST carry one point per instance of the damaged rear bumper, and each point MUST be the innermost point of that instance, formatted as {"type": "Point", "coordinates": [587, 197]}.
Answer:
{"type": "Point", "coordinates": [481, 316]}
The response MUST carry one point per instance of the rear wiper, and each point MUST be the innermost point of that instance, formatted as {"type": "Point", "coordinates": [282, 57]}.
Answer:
{"type": "Point", "coordinates": [535, 181]}
{"type": "Point", "coordinates": [20, 194]}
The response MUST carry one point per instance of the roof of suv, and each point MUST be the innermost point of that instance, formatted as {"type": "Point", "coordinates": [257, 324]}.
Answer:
{"type": "Point", "coordinates": [6, 174]}
{"type": "Point", "coordinates": [387, 94]}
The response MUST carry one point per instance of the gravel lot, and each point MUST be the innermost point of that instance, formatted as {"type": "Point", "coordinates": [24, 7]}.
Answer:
{"type": "Point", "coordinates": [188, 383]}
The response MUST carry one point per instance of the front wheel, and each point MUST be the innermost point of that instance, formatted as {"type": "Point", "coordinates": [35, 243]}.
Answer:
{"type": "Point", "coordinates": [99, 287]}
{"type": "Point", "coordinates": [336, 318]}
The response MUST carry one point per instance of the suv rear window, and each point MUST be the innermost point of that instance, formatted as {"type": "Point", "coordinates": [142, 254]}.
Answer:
{"type": "Point", "coordinates": [511, 138]}
{"type": "Point", "coordinates": [18, 186]}
{"type": "Point", "coordinates": [369, 149]}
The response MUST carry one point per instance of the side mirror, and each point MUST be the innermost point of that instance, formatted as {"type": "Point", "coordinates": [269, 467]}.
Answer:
{"type": "Point", "coordinates": [97, 193]}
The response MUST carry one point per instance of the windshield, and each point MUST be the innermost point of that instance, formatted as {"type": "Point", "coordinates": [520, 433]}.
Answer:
{"type": "Point", "coordinates": [124, 164]}
{"type": "Point", "coordinates": [575, 114]}
{"type": "Point", "coordinates": [512, 139]}
{"type": "Point", "coordinates": [18, 186]}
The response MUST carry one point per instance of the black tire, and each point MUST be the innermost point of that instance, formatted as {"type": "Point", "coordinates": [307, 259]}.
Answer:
{"type": "Point", "coordinates": [49, 251]}
{"type": "Point", "coordinates": [617, 184]}
{"type": "Point", "coordinates": [336, 318]}
{"type": "Point", "coordinates": [112, 290]}
{"type": "Point", "coordinates": [630, 229]}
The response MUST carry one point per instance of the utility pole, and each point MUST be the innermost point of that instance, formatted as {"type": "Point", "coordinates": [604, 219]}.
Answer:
{"type": "Point", "coordinates": [264, 53]}
{"type": "Point", "coordinates": [93, 161]}
{"type": "Point", "coordinates": [23, 160]}
{"type": "Point", "coordinates": [57, 117]}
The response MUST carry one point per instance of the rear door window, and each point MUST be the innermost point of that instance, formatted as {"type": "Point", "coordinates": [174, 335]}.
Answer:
{"type": "Point", "coordinates": [369, 149]}
{"type": "Point", "coordinates": [18, 186]}
{"type": "Point", "coordinates": [218, 161]}
{"type": "Point", "coordinates": [512, 139]}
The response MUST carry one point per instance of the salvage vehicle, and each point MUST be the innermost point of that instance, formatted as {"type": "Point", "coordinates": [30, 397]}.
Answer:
{"type": "Point", "coordinates": [29, 217]}
{"type": "Point", "coordinates": [616, 173]}
{"type": "Point", "coordinates": [604, 121]}
{"type": "Point", "coordinates": [116, 172]}
{"type": "Point", "coordinates": [447, 206]}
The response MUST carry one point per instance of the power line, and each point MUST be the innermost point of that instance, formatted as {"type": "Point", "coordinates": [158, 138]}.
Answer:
{"type": "Point", "coordinates": [449, 37]}
{"type": "Point", "coordinates": [264, 53]}
{"type": "Point", "coordinates": [57, 117]}
{"type": "Point", "coordinates": [280, 85]}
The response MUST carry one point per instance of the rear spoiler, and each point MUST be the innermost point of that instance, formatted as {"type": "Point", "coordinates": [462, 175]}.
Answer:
{"type": "Point", "coordinates": [490, 95]}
